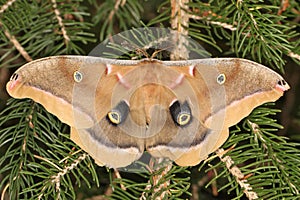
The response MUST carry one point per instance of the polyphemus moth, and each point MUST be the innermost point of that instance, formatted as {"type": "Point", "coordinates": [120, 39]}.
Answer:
{"type": "Point", "coordinates": [117, 109]}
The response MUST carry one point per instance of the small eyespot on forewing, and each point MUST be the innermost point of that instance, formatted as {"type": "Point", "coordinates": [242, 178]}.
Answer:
{"type": "Point", "coordinates": [78, 76]}
{"type": "Point", "coordinates": [221, 79]}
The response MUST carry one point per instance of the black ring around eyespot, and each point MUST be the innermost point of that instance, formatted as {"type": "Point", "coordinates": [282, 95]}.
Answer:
{"type": "Point", "coordinates": [118, 114]}
{"type": "Point", "coordinates": [181, 113]}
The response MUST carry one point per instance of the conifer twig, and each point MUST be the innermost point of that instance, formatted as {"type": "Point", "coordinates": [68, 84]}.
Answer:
{"type": "Point", "coordinates": [16, 43]}
{"type": "Point", "coordinates": [4, 191]}
{"type": "Point", "coordinates": [222, 24]}
{"type": "Point", "coordinates": [294, 55]}
{"type": "Point", "coordinates": [6, 6]}
{"type": "Point", "coordinates": [179, 16]}
{"type": "Point", "coordinates": [180, 22]}
{"type": "Point", "coordinates": [233, 28]}
{"type": "Point", "coordinates": [257, 131]}
{"type": "Point", "coordinates": [236, 172]}
{"type": "Point", "coordinates": [156, 179]}
{"type": "Point", "coordinates": [60, 21]}
{"type": "Point", "coordinates": [118, 175]}
{"type": "Point", "coordinates": [116, 8]}
{"type": "Point", "coordinates": [56, 178]}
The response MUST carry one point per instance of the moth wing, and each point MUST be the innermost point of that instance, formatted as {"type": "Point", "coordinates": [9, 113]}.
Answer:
{"type": "Point", "coordinates": [51, 81]}
{"type": "Point", "coordinates": [234, 87]}
{"type": "Point", "coordinates": [109, 147]}
{"type": "Point", "coordinates": [186, 145]}
{"type": "Point", "coordinates": [220, 92]}
{"type": "Point", "coordinates": [109, 143]}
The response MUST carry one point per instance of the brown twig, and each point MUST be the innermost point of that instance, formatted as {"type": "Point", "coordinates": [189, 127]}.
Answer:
{"type": "Point", "coordinates": [60, 21]}
{"type": "Point", "coordinates": [16, 44]}
{"type": "Point", "coordinates": [233, 28]}
{"type": "Point", "coordinates": [56, 178]}
{"type": "Point", "coordinates": [6, 6]}
{"type": "Point", "coordinates": [117, 174]}
{"type": "Point", "coordinates": [284, 5]}
{"type": "Point", "coordinates": [180, 22]}
{"type": "Point", "coordinates": [237, 173]}
{"type": "Point", "coordinates": [116, 8]}
{"type": "Point", "coordinates": [294, 55]}
{"type": "Point", "coordinates": [156, 179]}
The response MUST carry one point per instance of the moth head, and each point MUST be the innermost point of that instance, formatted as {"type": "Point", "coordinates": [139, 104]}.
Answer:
{"type": "Point", "coordinates": [14, 84]}
{"type": "Point", "coordinates": [282, 85]}
{"type": "Point", "coordinates": [14, 77]}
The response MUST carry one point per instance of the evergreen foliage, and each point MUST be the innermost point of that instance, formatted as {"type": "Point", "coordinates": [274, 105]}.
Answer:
{"type": "Point", "coordinates": [39, 161]}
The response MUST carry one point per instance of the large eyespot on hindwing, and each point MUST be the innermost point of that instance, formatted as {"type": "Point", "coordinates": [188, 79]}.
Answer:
{"type": "Point", "coordinates": [118, 114]}
{"type": "Point", "coordinates": [181, 113]}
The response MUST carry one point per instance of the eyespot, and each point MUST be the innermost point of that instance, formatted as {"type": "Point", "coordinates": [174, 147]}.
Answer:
{"type": "Point", "coordinates": [221, 79]}
{"type": "Point", "coordinates": [114, 117]}
{"type": "Point", "coordinates": [14, 77]}
{"type": "Point", "coordinates": [181, 113]}
{"type": "Point", "coordinates": [77, 76]}
{"type": "Point", "coordinates": [183, 119]}
{"type": "Point", "coordinates": [118, 114]}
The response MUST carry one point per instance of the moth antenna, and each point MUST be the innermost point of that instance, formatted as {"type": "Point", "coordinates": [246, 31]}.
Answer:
{"type": "Point", "coordinates": [160, 50]}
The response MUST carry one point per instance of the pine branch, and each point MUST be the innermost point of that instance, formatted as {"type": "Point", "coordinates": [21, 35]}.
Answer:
{"type": "Point", "coordinates": [56, 179]}
{"type": "Point", "coordinates": [35, 171]}
{"type": "Point", "coordinates": [239, 176]}
{"type": "Point", "coordinates": [232, 27]}
{"type": "Point", "coordinates": [117, 12]}
{"type": "Point", "coordinates": [43, 35]}
{"type": "Point", "coordinates": [162, 183]}
{"type": "Point", "coordinates": [257, 28]}
{"type": "Point", "coordinates": [60, 21]}
{"type": "Point", "coordinates": [180, 23]}
{"type": "Point", "coordinates": [16, 44]}
{"type": "Point", "coordinates": [258, 163]}
{"type": "Point", "coordinates": [6, 6]}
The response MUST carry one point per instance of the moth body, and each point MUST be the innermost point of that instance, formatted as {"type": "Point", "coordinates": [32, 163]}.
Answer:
{"type": "Point", "coordinates": [180, 110]}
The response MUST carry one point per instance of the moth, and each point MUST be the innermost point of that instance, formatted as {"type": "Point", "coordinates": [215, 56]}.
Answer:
{"type": "Point", "coordinates": [117, 109]}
